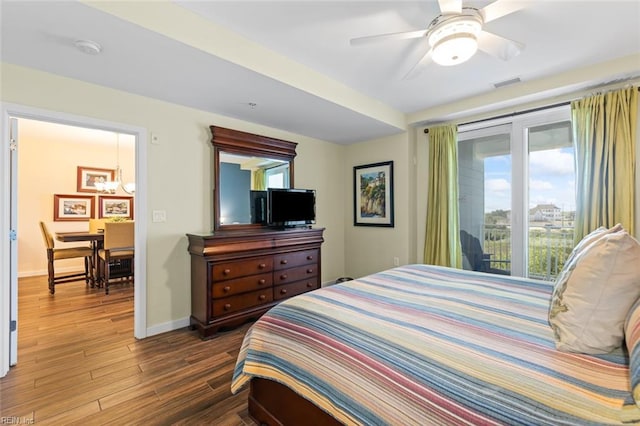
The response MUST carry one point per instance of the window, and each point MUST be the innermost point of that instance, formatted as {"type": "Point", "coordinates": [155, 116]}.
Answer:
{"type": "Point", "coordinates": [278, 177]}
{"type": "Point", "coordinates": [517, 194]}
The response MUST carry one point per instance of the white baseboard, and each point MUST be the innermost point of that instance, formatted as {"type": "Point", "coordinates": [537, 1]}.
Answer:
{"type": "Point", "coordinates": [167, 326]}
{"type": "Point", "coordinates": [24, 274]}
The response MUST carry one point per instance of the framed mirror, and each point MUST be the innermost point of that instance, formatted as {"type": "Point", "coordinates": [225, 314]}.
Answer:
{"type": "Point", "coordinates": [246, 165]}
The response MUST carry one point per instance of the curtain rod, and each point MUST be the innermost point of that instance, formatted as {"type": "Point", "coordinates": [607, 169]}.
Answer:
{"type": "Point", "coordinates": [516, 113]}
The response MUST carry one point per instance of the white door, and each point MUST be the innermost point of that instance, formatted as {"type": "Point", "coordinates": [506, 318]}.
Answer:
{"type": "Point", "coordinates": [516, 187]}
{"type": "Point", "coordinates": [13, 250]}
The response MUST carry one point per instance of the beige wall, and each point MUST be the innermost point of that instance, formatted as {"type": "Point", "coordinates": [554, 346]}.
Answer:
{"type": "Point", "coordinates": [319, 166]}
{"type": "Point", "coordinates": [179, 175]}
{"type": "Point", "coordinates": [49, 155]}
{"type": "Point", "coordinates": [371, 249]}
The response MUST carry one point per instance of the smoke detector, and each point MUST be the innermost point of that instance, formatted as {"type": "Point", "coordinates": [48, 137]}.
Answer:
{"type": "Point", "coordinates": [87, 46]}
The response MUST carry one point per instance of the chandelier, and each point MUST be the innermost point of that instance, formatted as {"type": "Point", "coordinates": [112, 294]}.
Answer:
{"type": "Point", "coordinates": [110, 187]}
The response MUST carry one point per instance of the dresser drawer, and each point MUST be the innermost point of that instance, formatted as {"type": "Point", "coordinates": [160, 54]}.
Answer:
{"type": "Point", "coordinates": [242, 285]}
{"type": "Point", "coordinates": [238, 275]}
{"type": "Point", "coordinates": [229, 270]}
{"type": "Point", "coordinates": [298, 287]}
{"type": "Point", "coordinates": [239, 302]}
{"type": "Point", "coordinates": [295, 274]}
{"type": "Point", "coordinates": [296, 258]}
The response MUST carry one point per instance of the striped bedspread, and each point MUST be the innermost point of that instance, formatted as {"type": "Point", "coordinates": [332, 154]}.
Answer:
{"type": "Point", "coordinates": [426, 345]}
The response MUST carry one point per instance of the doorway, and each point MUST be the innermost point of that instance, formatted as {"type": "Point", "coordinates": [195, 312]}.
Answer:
{"type": "Point", "coordinates": [517, 194]}
{"type": "Point", "coordinates": [12, 115]}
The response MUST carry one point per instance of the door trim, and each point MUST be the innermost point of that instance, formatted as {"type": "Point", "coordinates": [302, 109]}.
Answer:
{"type": "Point", "coordinates": [140, 212]}
{"type": "Point", "coordinates": [13, 244]}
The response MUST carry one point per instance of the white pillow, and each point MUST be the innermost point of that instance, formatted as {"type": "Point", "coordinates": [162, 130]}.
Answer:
{"type": "Point", "coordinates": [570, 263]}
{"type": "Point", "coordinates": [590, 238]}
{"type": "Point", "coordinates": [593, 296]}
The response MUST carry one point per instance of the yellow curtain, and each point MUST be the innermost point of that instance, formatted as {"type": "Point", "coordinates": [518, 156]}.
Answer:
{"type": "Point", "coordinates": [604, 135]}
{"type": "Point", "coordinates": [442, 242]}
{"type": "Point", "coordinates": [259, 180]}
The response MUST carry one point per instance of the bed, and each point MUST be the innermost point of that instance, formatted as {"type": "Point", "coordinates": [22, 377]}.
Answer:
{"type": "Point", "coordinates": [426, 345]}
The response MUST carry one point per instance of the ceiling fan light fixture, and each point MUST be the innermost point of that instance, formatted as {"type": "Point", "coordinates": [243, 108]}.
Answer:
{"type": "Point", "coordinates": [454, 39]}
{"type": "Point", "coordinates": [455, 49]}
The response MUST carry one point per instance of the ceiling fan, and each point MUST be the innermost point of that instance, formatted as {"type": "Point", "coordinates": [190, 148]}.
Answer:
{"type": "Point", "coordinates": [457, 33]}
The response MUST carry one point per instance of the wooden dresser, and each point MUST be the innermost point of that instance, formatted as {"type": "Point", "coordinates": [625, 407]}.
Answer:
{"type": "Point", "coordinates": [237, 276]}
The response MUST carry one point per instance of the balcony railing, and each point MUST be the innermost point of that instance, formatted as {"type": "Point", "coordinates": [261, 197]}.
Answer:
{"type": "Point", "coordinates": [549, 247]}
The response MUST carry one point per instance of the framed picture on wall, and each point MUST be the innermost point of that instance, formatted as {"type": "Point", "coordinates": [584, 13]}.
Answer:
{"type": "Point", "coordinates": [73, 207]}
{"type": "Point", "coordinates": [88, 176]}
{"type": "Point", "coordinates": [373, 194]}
{"type": "Point", "coordinates": [115, 206]}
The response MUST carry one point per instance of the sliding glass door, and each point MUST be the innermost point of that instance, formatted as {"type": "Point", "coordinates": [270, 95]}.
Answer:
{"type": "Point", "coordinates": [551, 198]}
{"type": "Point", "coordinates": [516, 188]}
{"type": "Point", "coordinates": [484, 180]}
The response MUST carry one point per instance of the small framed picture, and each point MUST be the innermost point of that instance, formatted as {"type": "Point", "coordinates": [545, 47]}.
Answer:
{"type": "Point", "coordinates": [73, 207]}
{"type": "Point", "coordinates": [373, 194]}
{"type": "Point", "coordinates": [88, 176]}
{"type": "Point", "coordinates": [115, 206]}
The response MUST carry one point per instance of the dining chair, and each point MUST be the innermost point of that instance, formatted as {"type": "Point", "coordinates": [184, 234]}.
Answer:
{"type": "Point", "coordinates": [96, 225]}
{"type": "Point", "coordinates": [54, 254]}
{"type": "Point", "coordinates": [116, 257]}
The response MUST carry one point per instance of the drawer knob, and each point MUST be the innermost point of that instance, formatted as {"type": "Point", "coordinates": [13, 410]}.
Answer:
{"type": "Point", "coordinates": [283, 276]}
{"type": "Point", "coordinates": [262, 297]}
{"type": "Point", "coordinates": [283, 291]}
{"type": "Point", "coordinates": [309, 271]}
{"type": "Point", "coordinates": [262, 266]}
{"type": "Point", "coordinates": [227, 306]}
{"type": "Point", "coordinates": [309, 285]}
{"type": "Point", "coordinates": [309, 257]}
{"type": "Point", "coordinates": [226, 289]}
{"type": "Point", "coordinates": [284, 261]}
{"type": "Point", "coordinates": [226, 271]}
{"type": "Point", "coordinates": [262, 281]}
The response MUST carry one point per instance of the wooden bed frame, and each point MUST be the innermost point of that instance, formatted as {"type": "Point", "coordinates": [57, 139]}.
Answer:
{"type": "Point", "coordinates": [273, 404]}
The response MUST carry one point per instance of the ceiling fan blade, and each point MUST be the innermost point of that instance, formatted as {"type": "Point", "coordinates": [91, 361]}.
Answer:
{"type": "Point", "coordinates": [450, 6]}
{"type": "Point", "coordinates": [419, 66]}
{"type": "Point", "coordinates": [498, 46]}
{"type": "Point", "coordinates": [387, 37]}
{"type": "Point", "coordinates": [500, 8]}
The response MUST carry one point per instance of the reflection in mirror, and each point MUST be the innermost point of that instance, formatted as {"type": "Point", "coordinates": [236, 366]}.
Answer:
{"type": "Point", "coordinates": [243, 183]}
{"type": "Point", "coordinates": [245, 165]}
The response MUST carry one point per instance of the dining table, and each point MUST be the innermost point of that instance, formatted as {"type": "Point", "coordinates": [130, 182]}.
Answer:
{"type": "Point", "coordinates": [95, 238]}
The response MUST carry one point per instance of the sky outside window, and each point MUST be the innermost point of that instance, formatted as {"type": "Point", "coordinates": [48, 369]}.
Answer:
{"type": "Point", "coordinates": [551, 180]}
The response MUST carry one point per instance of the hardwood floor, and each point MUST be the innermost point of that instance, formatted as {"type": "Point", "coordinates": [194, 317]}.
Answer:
{"type": "Point", "coordinates": [78, 363]}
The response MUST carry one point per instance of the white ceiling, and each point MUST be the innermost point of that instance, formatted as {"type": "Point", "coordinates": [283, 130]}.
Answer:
{"type": "Point", "coordinates": [294, 61]}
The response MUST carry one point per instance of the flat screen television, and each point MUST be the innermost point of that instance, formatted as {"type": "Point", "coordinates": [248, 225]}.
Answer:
{"type": "Point", "coordinates": [291, 207]}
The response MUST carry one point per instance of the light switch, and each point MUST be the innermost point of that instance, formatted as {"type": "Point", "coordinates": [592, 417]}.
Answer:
{"type": "Point", "coordinates": [155, 140]}
{"type": "Point", "coordinates": [159, 216]}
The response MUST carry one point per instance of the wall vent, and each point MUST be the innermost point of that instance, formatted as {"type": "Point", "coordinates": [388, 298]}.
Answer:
{"type": "Point", "coordinates": [506, 82]}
